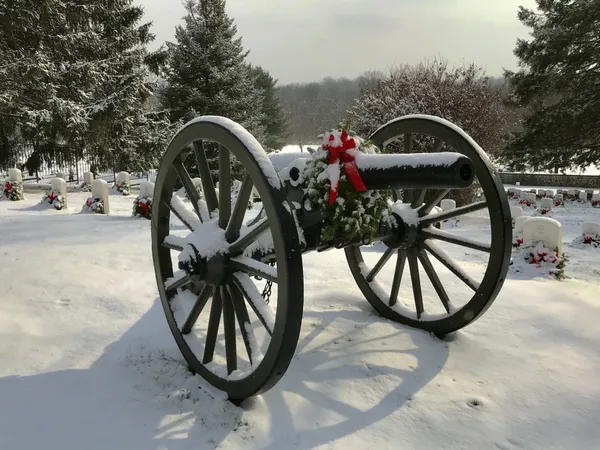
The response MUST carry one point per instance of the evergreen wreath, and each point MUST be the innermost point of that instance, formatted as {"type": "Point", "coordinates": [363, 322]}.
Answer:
{"type": "Point", "coordinates": [13, 190]}
{"type": "Point", "coordinates": [94, 204]}
{"type": "Point", "coordinates": [124, 187]}
{"type": "Point", "coordinates": [335, 188]}
{"type": "Point", "coordinates": [142, 207]}
{"type": "Point", "coordinates": [55, 199]}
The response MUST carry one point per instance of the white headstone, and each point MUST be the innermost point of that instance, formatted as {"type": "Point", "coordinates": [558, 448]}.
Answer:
{"type": "Point", "coordinates": [516, 211]}
{"type": "Point", "coordinates": [546, 203]}
{"type": "Point", "coordinates": [571, 192]}
{"type": "Point", "coordinates": [589, 191]}
{"type": "Point", "coordinates": [15, 175]}
{"type": "Point", "coordinates": [146, 189]}
{"type": "Point", "coordinates": [541, 192]}
{"type": "Point", "coordinates": [591, 229]}
{"type": "Point", "coordinates": [545, 230]}
{"type": "Point", "coordinates": [59, 186]}
{"type": "Point", "coordinates": [518, 183]}
{"type": "Point", "coordinates": [100, 190]}
{"type": "Point", "coordinates": [123, 177]}
{"type": "Point", "coordinates": [88, 177]}
{"type": "Point", "coordinates": [558, 197]}
{"type": "Point", "coordinates": [447, 204]}
{"type": "Point", "coordinates": [596, 197]}
{"type": "Point", "coordinates": [530, 196]}
{"type": "Point", "coordinates": [61, 175]}
{"type": "Point", "coordinates": [520, 224]}
{"type": "Point", "coordinates": [550, 193]}
{"type": "Point", "coordinates": [583, 196]}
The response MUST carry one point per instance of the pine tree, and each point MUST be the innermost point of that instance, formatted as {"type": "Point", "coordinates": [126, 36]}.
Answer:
{"type": "Point", "coordinates": [207, 73]}
{"type": "Point", "coordinates": [559, 84]}
{"type": "Point", "coordinates": [78, 76]}
{"type": "Point", "coordinates": [274, 119]}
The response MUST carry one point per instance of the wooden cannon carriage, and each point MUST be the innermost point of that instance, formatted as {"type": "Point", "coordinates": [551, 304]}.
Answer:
{"type": "Point", "coordinates": [230, 275]}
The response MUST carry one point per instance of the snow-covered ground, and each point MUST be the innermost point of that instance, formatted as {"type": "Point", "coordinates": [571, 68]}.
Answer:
{"type": "Point", "coordinates": [87, 361]}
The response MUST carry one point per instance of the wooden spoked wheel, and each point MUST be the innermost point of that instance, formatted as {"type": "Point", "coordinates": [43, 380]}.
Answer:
{"type": "Point", "coordinates": [469, 264]}
{"type": "Point", "coordinates": [229, 332]}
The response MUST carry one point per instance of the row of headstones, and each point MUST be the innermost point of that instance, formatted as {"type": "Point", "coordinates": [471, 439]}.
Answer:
{"type": "Point", "coordinates": [550, 198]}
{"type": "Point", "coordinates": [530, 230]}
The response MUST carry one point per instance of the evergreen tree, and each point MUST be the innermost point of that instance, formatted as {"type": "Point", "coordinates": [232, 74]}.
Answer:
{"type": "Point", "coordinates": [207, 73]}
{"type": "Point", "coordinates": [78, 75]}
{"type": "Point", "coordinates": [559, 84]}
{"type": "Point", "coordinates": [274, 119]}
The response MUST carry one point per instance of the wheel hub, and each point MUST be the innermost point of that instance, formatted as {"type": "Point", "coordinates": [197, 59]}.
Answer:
{"type": "Point", "coordinates": [405, 235]}
{"type": "Point", "coordinates": [213, 271]}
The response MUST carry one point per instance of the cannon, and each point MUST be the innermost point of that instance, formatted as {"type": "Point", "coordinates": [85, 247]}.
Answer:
{"type": "Point", "coordinates": [230, 277]}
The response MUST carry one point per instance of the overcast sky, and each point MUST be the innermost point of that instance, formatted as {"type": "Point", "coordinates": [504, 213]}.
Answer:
{"type": "Point", "coordinates": [306, 40]}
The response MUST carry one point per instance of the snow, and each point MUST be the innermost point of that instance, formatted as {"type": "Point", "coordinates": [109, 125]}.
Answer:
{"type": "Point", "coordinates": [87, 359]}
{"type": "Point", "coordinates": [389, 161]}
{"type": "Point", "coordinates": [249, 141]}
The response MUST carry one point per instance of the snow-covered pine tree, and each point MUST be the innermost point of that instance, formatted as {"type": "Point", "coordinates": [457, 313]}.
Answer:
{"type": "Point", "coordinates": [559, 83]}
{"type": "Point", "coordinates": [207, 73]}
{"type": "Point", "coordinates": [79, 74]}
{"type": "Point", "coordinates": [274, 118]}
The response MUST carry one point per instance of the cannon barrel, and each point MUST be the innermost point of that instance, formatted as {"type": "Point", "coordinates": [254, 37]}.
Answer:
{"type": "Point", "coordinates": [401, 171]}
{"type": "Point", "coordinates": [415, 171]}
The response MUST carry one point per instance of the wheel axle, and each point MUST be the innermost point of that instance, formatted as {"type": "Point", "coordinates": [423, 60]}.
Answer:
{"type": "Point", "coordinates": [215, 271]}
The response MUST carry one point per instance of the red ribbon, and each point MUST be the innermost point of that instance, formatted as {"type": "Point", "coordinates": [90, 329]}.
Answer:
{"type": "Point", "coordinates": [52, 196]}
{"type": "Point", "coordinates": [7, 186]}
{"type": "Point", "coordinates": [348, 161]}
{"type": "Point", "coordinates": [144, 208]}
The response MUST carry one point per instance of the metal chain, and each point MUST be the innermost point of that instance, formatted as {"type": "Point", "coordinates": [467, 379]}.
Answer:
{"type": "Point", "coordinates": [266, 293]}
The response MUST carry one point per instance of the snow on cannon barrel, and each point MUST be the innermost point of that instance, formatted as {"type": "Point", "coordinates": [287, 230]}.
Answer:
{"type": "Point", "coordinates": [350, 194]}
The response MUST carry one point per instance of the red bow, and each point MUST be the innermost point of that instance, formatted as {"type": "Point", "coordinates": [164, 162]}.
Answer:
{"type": "Point", "coordinates": [7, 186]}
{"type": "Point", "coordinates": [52, 196]}
{"type": "Point", "coordinates": [348, 161]}
{"type": "Point", "coordinates": [144, 208]}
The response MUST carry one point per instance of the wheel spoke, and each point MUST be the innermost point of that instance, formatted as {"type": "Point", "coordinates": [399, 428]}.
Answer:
{"type": "Point", "coordinates": [413, 265]}
{"type": "Point", "coordinates": [174, 284]}
{"type": "Point", "coordinates": [213, 326]}
{"type": "Point", "coordinates": [254, 267]}
{"type": "Point", "coordinates": [229, 331]}
{"type": "Point", "coordinates": [256, 301]}
{"type": "Point", "coordinates": [453, 213]}
{"type": "Point", "coordinates": [174, 243]}
{"type": "Point", "coordinates": [239, 210]}
{"type": "Point", "coordinates": [243, 319]}
{"type": "Point", "coordinates": [434, 233]}
{"type": "Point", "coordinates": [400, 263]}
{"type": "Point", "coordinates": [208, 187]}
{"type": "Point", "coordinates": [435, 280]}
{"type": "Point", "coordinates": [427, 207]}
{"type": "Point", "coordinates": [189, 187]}
{"type": "Point", "coordinates": [224, 187]}
{"type": "Point", "coordinates": [255, 232]}
{"type": "Point", "coordinates": [450, 264]}
{"type": "Point", "coordinates": [407, 195]}
{"type": "Point", "coordinates": [408, 143]}
{"type": "Point", "coordinates": [418, 198]}
{"type": "Point", "coordinates": [201, 301]}
{"type": "Point", "coordinates": [177, 207]}
{"type": "Point", "coordinates": [382, 261]}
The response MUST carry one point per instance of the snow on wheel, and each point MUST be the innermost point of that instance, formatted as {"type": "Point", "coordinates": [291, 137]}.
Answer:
{"type": "Point", "coordinates": [231, 287]}
{"type": "Point", "coordinates": [453, 291]}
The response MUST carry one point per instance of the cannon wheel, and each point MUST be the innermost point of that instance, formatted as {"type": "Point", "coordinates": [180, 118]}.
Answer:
{"type": "Point", "coordinates": [224, 282]}
{"type": "Point", "coordinates": [423, 242]}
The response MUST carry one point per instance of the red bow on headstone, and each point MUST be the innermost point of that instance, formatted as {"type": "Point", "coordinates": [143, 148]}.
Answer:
{"type": "Point", "coordinates": [52, 196]}
{"type": "Point", "coordinates": [337, 153]}
{"type": "Point", "coordinates": [7, 186]}
{"type": "Point", "coordinates": [144, 208]}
